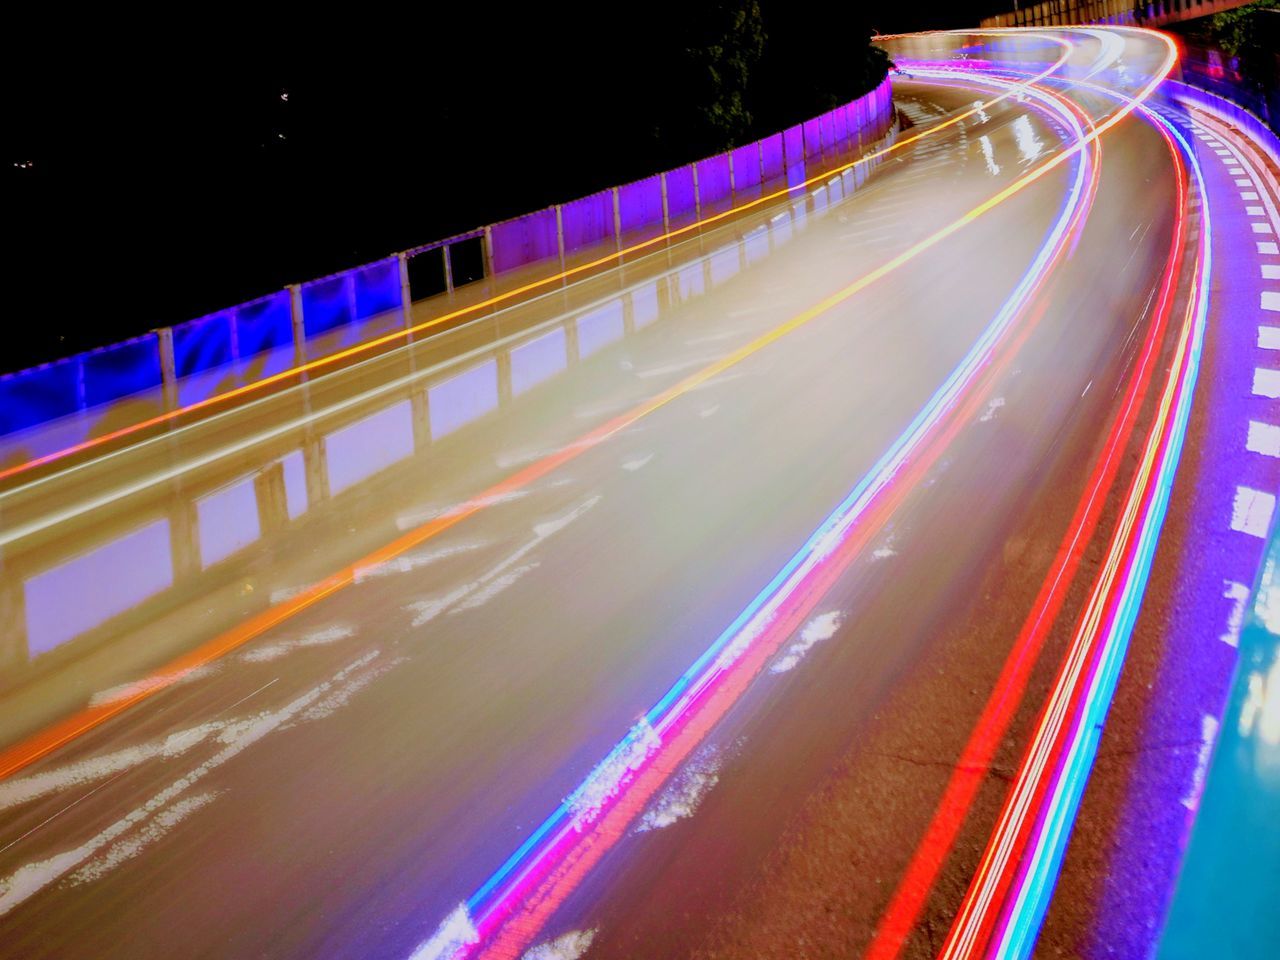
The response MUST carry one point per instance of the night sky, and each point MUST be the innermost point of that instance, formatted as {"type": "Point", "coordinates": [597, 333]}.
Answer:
{"type": "Point", "coordinates": [166, 166]}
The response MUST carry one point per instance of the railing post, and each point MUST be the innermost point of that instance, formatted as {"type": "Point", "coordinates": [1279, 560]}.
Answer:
{"type": "Point", "coordinates": [560, 235]}
{"type": "Point", "coordinates": [617, 219]}
{"type": "Point", "coordinates": [666, 213]}
{"type": "Point", "coordinates": [697, 200]}
{"type": "Point", "coordinates": [448, 268]}
{"type": "Point", "coordinates": [168, 367]}
{"type": "Point", "coordinates": [299, 327]}
{"type": "Point", "coordinates": [488, 252]}
{"type": "Point", "coordinates": [406, 295]}
{"type": "Point", "coordinates": [760, 154]}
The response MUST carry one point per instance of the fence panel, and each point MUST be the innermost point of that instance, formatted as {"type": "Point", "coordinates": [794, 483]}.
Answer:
{"type": "Point", "coordinates": [525, 240]}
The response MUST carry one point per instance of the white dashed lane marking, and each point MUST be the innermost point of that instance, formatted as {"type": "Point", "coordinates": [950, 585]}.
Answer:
{"type": "Point", "coordinates": [1269, 338]}
{"type": "Point", "coordinates": [1261, 227]}
{"type": "Point", "coordinates": [1271, 271]}
{"type": "Point", "coordinates": [1266, 383]}
{"type": "Point", "coordinates": [1251, 511]}
{"type": "Point", "coordinates": [1271, 300]}
{"type": "Point", "coordinates": [1264, 438]}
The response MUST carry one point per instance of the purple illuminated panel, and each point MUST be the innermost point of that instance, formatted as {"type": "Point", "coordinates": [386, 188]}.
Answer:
{"type": "Point", "coordinates": [681, 209]}
{"type": "Point", "coordinates": [640, 207]}
{"type": "Point", "coordinates": [80, 594]}
{"type": "Point", "coordinates": [377, 288]}
{"type": "Point", "coordinates": [771, 158]}
{"type": "Point", "coordinates": [851, 124]}
{"type": "Point", "coordinates": [463, 398]}
{"type": "Point", "coordinates": [535, 361]}
{"type": "Point", "coordinates": [812, 140]}
{"type": "Point", "coordinates": [38, 395]}
{"type": "Point", "coordinates": [599, 328]}
{"type": "Point", "coordinates": [644, 305]}
{"type": "Point", "coordinates": [714, 193]}
{"type": "Point", "coordinates": [327, 304]}
{"type": "Point", "coordinates": [122, 370]}
{"type": "Point", "coordinates": [827, 134]}
{"type": "Point", "coordinates": [373, 443]}
{"type": "Point", "coordinates": [525, 240]}
{"type": "Point", "coordinates": [793, 154]}
{"type": "Point", "coordinates": [228, 521]}
{"type": "Point", "coordinates": [588, 221]}
{"type": "Point", "coordinates": [840, 124]}
{"type": "Point", "coordinates": [746, 170]}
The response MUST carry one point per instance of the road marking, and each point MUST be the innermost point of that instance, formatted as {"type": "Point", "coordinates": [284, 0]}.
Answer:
{"type": "Point", "coordinates": [1268, 338]}
{"type": "Point", "coordinates": [1254, 211]}
{"type": "Point", "coordinates": [1271, 300]}
{"type": "Point", "coordinates": [1251, 511]}
{"type": "Point", "coordinates": [1261, 227]}
{"type": "Point", "coordinates": [1267, 246]}
{"type": "Point", "coordinates": [1248, 195]}
{"type": "Point", "coordinates": [1222, 153]}
{"type": "Point", "coordinates": [1271, 271]}
{"type": "Point", "coordinates": [1238, 594]}
{"type": "Point", "coordinates": [1236, 171]}
{"type": "Point", "coordinates": [1208, 734]}
{"type": "Point", "coordinates": [1264, 438]}
{"type": "Point", "coordinates": [33, 877]}
{"type": "Point", "coordinates": [1266, 383]}
{"type": "Point", "coordinates": [1243, 182]}
{"type": "Point", "coordinates": [634, 464]}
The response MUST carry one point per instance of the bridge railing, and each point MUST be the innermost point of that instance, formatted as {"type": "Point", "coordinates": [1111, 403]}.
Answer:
{"type": "Point", "coordinates": [57, 405]}
{"type": "Point", "coordinates": [1063, 13]}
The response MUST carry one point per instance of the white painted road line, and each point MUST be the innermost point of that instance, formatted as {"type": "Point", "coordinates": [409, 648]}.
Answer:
{"type": "Point", "coordinates": [1271, 300]}
{"type": "Point", "coordinates": [1267, 246]}
{"type": "Point", "coordinates": [1271, 271]}
{"type": "Point", "coordinates": [1254, 211]}
{"type": "Point", "coordinates": [1251, 511]}
{"type": "Point", "coordinates": [1264, 438]}
{"type": "Point", "coordinates": [1266, 383]}
{"type": "Point", "coordinates": [1261, 227]}
{"type": "Point", "coordinates": [1269, 338]}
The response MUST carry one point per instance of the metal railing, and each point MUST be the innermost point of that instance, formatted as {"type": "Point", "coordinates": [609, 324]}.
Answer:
{"type": "Point", "coordinates": [173, 367]}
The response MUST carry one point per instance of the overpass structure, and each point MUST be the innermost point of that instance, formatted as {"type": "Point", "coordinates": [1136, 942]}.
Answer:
{"type": "Point", "coordinates": [855, 544]}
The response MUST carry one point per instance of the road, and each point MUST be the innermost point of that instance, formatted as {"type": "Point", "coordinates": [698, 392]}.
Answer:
{"type": "Point", "coordinates": [416, 714]}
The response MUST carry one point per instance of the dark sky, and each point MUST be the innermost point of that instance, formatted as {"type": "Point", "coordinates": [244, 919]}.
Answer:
{"type": "Point", "coordinates": [166, 165]}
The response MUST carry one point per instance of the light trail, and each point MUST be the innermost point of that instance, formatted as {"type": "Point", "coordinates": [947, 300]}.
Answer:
{"type": "Point", "coordinates": [30, 750]}
{"type": "Point", "coordinates": [1101, 640]}
{"type": "Point", "coordinates": [404, 335]}
{"type": "Point", "coordinates": [970, 770]}
{"type": "Point", "coordinates": [545, 869]}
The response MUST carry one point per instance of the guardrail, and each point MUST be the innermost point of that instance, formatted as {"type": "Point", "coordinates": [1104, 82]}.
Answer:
{"type": "Point", "coordinates": [368, 454]}
{"type": "Point", "coordinates": [1064, 13]}
{"type": "Point", "coordinates": [176, 366]}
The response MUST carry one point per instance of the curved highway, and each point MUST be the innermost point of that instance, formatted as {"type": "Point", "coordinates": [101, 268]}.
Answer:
{"type": "Point", "coordinates": [748, 598]}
